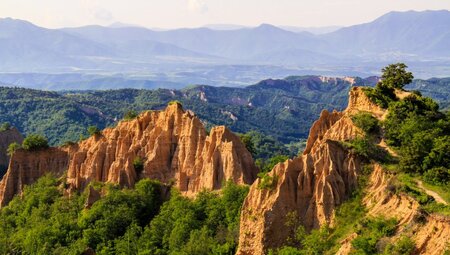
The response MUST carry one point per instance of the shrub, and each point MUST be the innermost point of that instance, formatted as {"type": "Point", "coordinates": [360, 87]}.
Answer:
{"type": "Point", "coordinates": [129, 115]}
{"type": "Point", "coordinates": [12, 148]}
{"type": "Point", "coordinates": [366, 122]}
{"type": "Point", "coordinates": [5, 126]}
{"type": "Point", "coordinates": [404, 246]}
{"type": "Point", "coordinates": [365, 148]}
{"type": "Point", "coordinates": [437, 176]}
{"type": "Point", "coordinates": [93, 130]}
{"type": "Point", "coordinates": [370, 231]}
{"type": "Point", "coordinates": [138, 164]}
{"type": "Point", "coordinates": [34, 142]}
{"type": "Point", "coordinates": [175, 102]}
{"type": "Point", "coordinates": [267, 181]}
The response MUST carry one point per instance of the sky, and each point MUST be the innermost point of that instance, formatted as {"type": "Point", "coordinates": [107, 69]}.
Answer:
{"type": "Point", "coordinates": [196, 13]}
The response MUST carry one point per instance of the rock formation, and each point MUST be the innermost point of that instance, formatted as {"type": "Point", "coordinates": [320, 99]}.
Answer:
{"type": "Point", "coordinates": [6, 138]}
{"type": "Point", "coordinates": [311, 185]}
{"type": "Point", "coordinates": [430, 233]}
{"type": "Point", "coordinates": [171, 146]}
{"type": "Point", "coordinates": [26, 167]}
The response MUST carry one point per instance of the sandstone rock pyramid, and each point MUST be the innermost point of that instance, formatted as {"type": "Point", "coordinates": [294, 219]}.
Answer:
{"type": "Point", "coordinates": [311, 185]}
{"type": "Point", "coordinates": [172, 145]}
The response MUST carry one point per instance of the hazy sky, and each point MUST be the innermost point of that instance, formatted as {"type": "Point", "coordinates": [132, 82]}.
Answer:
{"type": "Point", "coordinates": [194, 13]}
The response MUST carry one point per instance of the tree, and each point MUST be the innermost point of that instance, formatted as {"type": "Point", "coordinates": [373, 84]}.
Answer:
{"type": "Point", "coordinates": [5, 126]}
{"type": "Point", "coordinates": [34, 142]}
{"type": "Point", "coordinates": [93, 130]}
{"type": "Point", "coordinates": [129, 115]}
{"type": "Point", "coordinates": [12, 148]}
{"type": "Point", "coordinates": [395, 76]}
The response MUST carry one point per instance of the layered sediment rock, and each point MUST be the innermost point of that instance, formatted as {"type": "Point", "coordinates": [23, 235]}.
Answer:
{"type": "Point", "coordinates": [26, 167]}
{"type": "Point", "coordinates": [171, 146]}
{"type": "Point", "coordinates": [6, 138]}
{"type": "Point", "coordinates": [311, 185]}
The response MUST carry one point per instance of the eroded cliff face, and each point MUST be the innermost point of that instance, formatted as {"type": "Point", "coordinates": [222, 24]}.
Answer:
{"type": "Point", "coordinates": [172, 145]}
{"type": "Point", "coordinates": [26, 167]}
{"type": "Point", "coordinates": [430, 233]}
{"type": "Point", "coordinates": [311, 185]}
{"type": "Point", "coordinates": [6, 138]}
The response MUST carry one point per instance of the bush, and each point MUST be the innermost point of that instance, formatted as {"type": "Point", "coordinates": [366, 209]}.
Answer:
{"type": "Point", "coordinates": [175, 102]}
{"type": "Point", "coordinates": [138, 164]}
{"type": "Point", "coordinates": [34, 142]}
{"type": "Point", "coordinates": [129, 115]}
{"type": "Point", "coordinates": [267, 182]}
{"type": "Point", "coordinates": [370, 231]}
{"type": "Point", "coordinates": [365, 148]}
{"type": "Point", "coordinates": [437, 176]}
{"type": "Point", "coordinates": [93, 130]}
{"type": "Point", "coordinates": [404, 246]}
{"type": "Point", "coordinates": [12, 148]}
{"type": "Point", "coordinates": [366, 122]}
{"type": "Point", "coordinates": [5, 126]}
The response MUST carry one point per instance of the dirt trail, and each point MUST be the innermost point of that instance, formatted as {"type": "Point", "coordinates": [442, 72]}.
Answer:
{"type": "Point", "coordinates": [435, 195]}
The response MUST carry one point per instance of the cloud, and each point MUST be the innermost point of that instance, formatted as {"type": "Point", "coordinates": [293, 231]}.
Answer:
{"type": "Point", "coordinates": [197, 6]}
{"type": "Point", "coordinates": [103, 15]}
{"type": "Point", "coordinates": [96, 12]}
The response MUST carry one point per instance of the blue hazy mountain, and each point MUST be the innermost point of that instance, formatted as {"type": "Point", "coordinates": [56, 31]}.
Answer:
{"type": "Point", "coordinates": [421, 34]}
{"type": "Point", "coordinates": [422, 39]}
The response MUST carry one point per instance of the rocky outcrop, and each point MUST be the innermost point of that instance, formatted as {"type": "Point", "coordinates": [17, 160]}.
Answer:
{"type": "Point", "coordinates": [311, 185]}
{"type": "Point", "coordinates": [430, 233]}
{"type": "Point", "coordinates": [6, 138]}
{"type": "Point", "coordinates": [171, 146]}
{"type": "Point", "coordinates": [26, 167]}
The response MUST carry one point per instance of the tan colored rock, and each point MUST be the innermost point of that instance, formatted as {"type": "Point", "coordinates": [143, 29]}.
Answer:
{"type": "Point", "coordinates": [431, 234]}
{"type": "Point", "coordinates": [172, 144]}
{"type": "Point", "coordinates": [6, 138]}
{"type": "Point", "coordinates": [26, 167]}
{"type": "Point", "coordinates": [311, 185]}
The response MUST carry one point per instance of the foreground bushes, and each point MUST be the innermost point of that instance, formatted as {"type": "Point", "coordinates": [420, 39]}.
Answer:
{"type": "Point", "coordinates": [129, 221]}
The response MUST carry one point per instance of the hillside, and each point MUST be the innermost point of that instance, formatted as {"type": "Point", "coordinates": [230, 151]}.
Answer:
{"type": "Point", "coordinates": [373, 179]}
{"type": "Point", "coordinates": [283, 109]}
{"type": "Point", "coordinates": [357, 188]}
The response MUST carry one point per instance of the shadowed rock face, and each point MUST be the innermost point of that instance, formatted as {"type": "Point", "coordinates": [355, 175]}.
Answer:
{"type": "Point", "coordinates": [26, 167]}
{"type": "Point", "coordinates": [6, 138]}
{"type": "Point", "coordinates": [311, 185]}
{"type": "Point", "coordinates": [173, 147]}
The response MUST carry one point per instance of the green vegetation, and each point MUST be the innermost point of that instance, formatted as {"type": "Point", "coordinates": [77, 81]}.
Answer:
{"type": "Point", "coordinates": [394, 77]}
{"type": "Point", "coordinates": [128, 221]}
{"type": "Point", "coordinates": [34, 142]}
{"type": "Point", "coordinates": [267, 182]}
{"type": "Point", "coordinates": [93, 130]}
{"type": "Point", "coordinates": [370, 231]}
{"type": "Point", "coordinates": [367, 123]}
{"type": "Point", "coordinates": [138, 164]}
{"type": "Point", "coordinates": [129, 115]}
{"type": "Point", "coordinates": [12, 148]}
{"type": "Point", "coordinates": [267, 151]}
{"type": "Point", "coordinates": [404, 246]}
{"type": "Point", "coordinates": [5, 126]}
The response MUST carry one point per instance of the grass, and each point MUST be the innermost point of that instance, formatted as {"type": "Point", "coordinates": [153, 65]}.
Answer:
{"type": "Point", "coordinates": [443, 191]}
{"type": "Point", "coordinates": [406, 183]}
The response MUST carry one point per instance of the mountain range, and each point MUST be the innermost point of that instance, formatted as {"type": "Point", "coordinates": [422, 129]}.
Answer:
{"type": "Point", "coordinates": [418, 38]}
